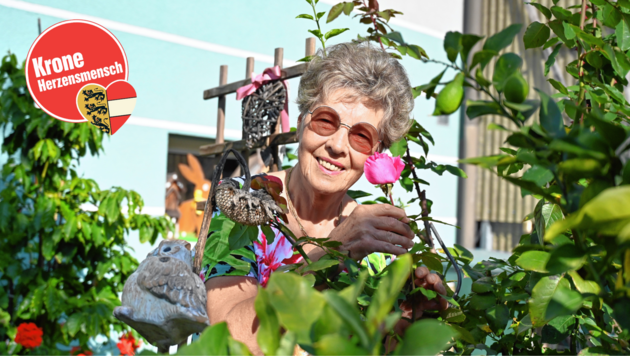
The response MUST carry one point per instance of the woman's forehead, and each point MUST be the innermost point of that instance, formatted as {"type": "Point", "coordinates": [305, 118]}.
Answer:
{"type": "Point", "coordinates": [353, 108]}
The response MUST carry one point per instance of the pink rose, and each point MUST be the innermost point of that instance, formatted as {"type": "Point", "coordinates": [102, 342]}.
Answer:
{"type": "Point", "coordinates": [381, 168]}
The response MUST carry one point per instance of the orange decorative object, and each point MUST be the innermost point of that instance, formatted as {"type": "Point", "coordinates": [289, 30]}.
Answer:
{"type": "Point", "coordinates": [190, 219]}
{"type": "Point", "coordinates": [29, 335]}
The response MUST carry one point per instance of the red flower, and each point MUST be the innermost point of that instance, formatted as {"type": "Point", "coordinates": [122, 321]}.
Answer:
{"type": "Point", "coordinates": [29, 335]}
{"type": "Point", "coordinates": [128, 344]}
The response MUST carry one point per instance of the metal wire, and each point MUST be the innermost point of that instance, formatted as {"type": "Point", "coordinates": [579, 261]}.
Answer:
{"type": "Point", "coordinates": [458, 270]}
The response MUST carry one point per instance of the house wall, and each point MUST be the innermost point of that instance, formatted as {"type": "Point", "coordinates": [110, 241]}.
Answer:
{"type": "Point", "coordinates": [174, 51]}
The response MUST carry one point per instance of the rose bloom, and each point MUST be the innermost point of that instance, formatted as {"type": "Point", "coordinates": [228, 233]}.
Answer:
{"type": "Point", "coordinates": [381, 168]}
{"type": "Point", "coordinates": [29, 335]}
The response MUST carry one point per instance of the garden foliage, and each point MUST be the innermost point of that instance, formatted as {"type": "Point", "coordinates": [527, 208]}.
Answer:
{"type": "Point", "coordinates": [64, 258]}
{"type": "Point", "coordinates": [568, 282]}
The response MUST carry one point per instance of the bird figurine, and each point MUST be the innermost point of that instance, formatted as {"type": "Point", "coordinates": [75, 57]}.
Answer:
{"type": "Point", "coordinates": [163, 299]}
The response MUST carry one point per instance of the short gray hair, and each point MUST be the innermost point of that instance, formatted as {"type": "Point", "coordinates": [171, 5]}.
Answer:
{"type": "Point", "coordinates": [370, 73]}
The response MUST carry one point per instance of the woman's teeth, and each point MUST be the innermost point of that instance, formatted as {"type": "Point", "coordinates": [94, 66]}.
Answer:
{"type": "Point", "coordinates": [328, 166]}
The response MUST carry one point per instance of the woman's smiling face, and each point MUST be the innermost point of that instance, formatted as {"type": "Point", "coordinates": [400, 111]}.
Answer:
{"type": "Point", "coordinates": [329, 163]}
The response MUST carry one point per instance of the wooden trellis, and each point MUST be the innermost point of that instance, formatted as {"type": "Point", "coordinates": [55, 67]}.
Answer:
{"type": "Point", "coordinates": [271, 141]}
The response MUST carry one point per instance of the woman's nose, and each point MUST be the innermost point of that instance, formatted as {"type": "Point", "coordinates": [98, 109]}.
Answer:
{"type": "Point", "coordinates": [338, 142]}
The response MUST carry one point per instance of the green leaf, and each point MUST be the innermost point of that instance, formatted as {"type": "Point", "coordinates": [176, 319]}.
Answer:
{"type": "Point", "coordinates": [546, 215]}
{"type": "Point", "coordinates": [558, 28]}
{"type": "Point", "coordinates": [335, 32]}
{"type": "Point", "coordinates": [502, 39]}
{"type": "Point", "coordinates": [350, 315]}
{"type": "Point", "coordinates": [297, 304]}
{"type": "Point", "coordinates": [559, 87]}
{"type": "Point", "coordinates": [269, 327]}
{"type": "Point", "coordinates": [533, 261]}
{"type": "Point", "coordinates": [551, 298]}
{"type": "Point", "coordinates": [316, 33]}
{"type": "Point", "coordinates": [565, 146]}
{"type": "Point", "coordinates": [481, 79]}
{"type": "Point", "coordinates": [551, 60]}
{"type": "Point", "coordinates": [337, 345]}
{"type": "Point", "coordinates": [498, 317]}
{"type": "Point", "coordinates": [387, 292]}
{"type": "Point", "coordinates": [558, 329]}
{"type": "Point", "coordinates": [319, 265]}
{"type": "Point", "coordinates": [348, 7]}
{"type": "Point", "coordinates": [566, 257]}
{"type": "Point", "coordinates": [552, 41]}
{"type": "Point", "coordinates": [561, 14]}
{"type": "Point", "coordinates": [305, 16]}
{"type": "Point", "coordinates": [242, 235]}
{"type": "Point", "coordinates": [468, 42]}
{"type": "Point", "coordinates": [483, 285]}
{"type": "Point", "coordinates": [432, 263]}
{"type": "Point", "coordinates": [398, 148]}
{"type": "Point", "coordinates": [452, 45]}
{"type": "Point", "coordinates": [543, 9]}
{"type": "Point", "coordinates": [395, 36]}
{"type": "Point", "coordinates": [412, 344]}
{"type": "Point", "coordinates": [335, 11]}
{"type": "Point", "coordinates": [455, 171]}
{"type": "Point", "coordinates": [478, 108]}
{"type": "Point", "coordinates": [606, 213]}
{"type": "Point", "coordinates": [612, 56]}
{"type": "Point", "coordinates": [623, 32]}
{"type": "Point", "coordinates": [270, 236]}
{"type": "Point", "coordinates": [74, 323]}
{"type": "Point", "coordinates": [539, 175]}
{"type": "Point", "coordinates": [217, 245]}
{"type": "Point", "coordinates": [536, 35]}
{"type": "Point", "coordinates": [550, 116]}
{"type": "Point", "coordinates": [584, 287]}
{"type": "Point", "coordinates": [611, 16]}
{"type": "Point", "coordinates": [506, 65]}
{"type": "Point", "coordinates": [564, 301]}
{"type": "Point", "coordinates": [213, 341]}
{"type": "Point", "coordinates": [356, 194]}
{"type": "Point", "coordinates": [482, 57]}
{"type": "Point", "coordinates": [482, 301]}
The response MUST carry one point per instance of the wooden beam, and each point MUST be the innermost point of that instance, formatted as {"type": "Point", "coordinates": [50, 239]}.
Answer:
{"type": "Point", "coordinates": [271, 140]}
{"type": "Point", "coordinates": [310, 46]}
{"type": "Point", "coordinates": [221, 110]}
{"type": "Point", "coordinates": [287, 73]}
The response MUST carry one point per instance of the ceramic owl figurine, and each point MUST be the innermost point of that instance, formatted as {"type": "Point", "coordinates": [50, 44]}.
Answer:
{"type": "Point", "coordinates": [163, 299]}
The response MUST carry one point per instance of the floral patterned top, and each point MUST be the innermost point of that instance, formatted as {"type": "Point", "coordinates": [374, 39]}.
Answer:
{"type": "Point", "coordinates": [260, 259]}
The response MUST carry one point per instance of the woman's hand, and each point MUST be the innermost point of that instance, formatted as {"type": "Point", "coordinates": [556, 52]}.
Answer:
{"type": "Point", "coordinates": [428, 281]}
{"type": "Point", "coordinates": [374, 228]}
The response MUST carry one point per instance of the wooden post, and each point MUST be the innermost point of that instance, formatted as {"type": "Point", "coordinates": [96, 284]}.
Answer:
{"type": "Point", "coordinates": [221, 110]}
{"type": "Point", "coordinates": [310, 46]}
{"type": "Point", "coordinates": [249, 68]}
{"type": "Point", "coordinates": [277, 165]}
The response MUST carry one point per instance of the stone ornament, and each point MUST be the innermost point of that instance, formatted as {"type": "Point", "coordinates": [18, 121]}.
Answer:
{"type": "Point", "coordinates": [163, 299]}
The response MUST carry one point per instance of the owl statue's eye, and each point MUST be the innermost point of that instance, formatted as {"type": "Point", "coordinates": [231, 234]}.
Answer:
{"type": "Point", "coordinates": [166, 249]}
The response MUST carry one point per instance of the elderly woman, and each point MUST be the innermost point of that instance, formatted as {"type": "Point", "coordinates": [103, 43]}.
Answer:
{"type": "Point", "coordinates": [354, 101]}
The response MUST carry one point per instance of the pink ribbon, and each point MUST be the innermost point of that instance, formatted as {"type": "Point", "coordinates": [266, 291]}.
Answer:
{"type": "Point", "coordinates": [271, 73]}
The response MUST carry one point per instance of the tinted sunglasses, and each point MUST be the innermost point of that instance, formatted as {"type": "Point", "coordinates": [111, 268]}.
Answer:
{"type": "Point", "coordinates": [363, 136]}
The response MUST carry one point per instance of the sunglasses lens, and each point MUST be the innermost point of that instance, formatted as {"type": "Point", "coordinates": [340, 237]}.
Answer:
{"type": "Point", "coordinates": [324, 121]}
{"type": "Point", "coordinates": [363, 137]}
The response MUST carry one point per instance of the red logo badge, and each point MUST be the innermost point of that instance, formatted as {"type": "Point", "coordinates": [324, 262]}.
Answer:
{"type": "Point", "coordinates": [77, 71]}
